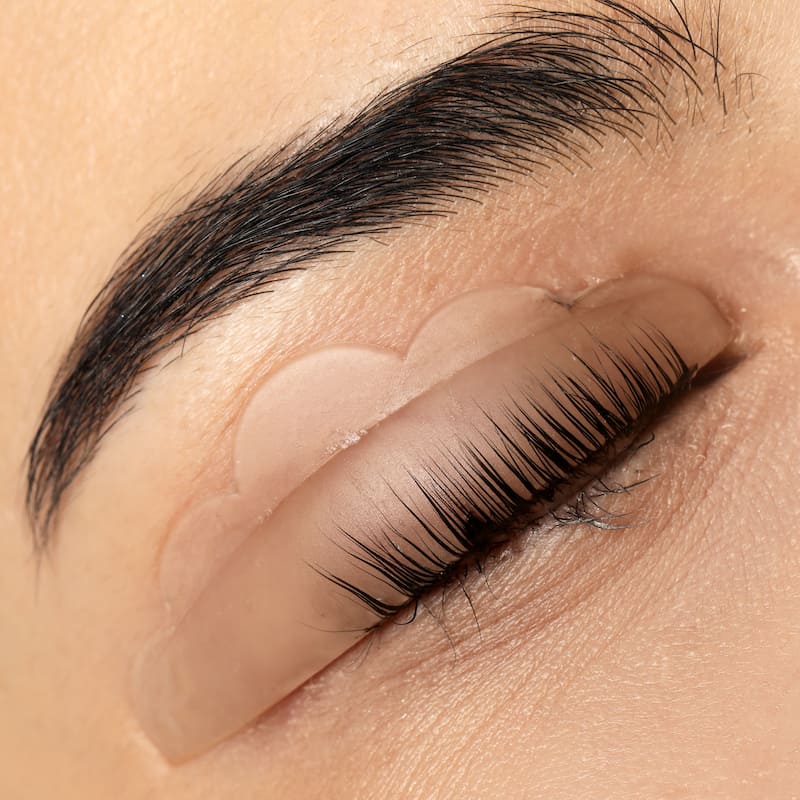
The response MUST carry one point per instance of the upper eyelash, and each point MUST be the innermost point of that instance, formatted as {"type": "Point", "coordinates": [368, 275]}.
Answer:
{"type": "Point", "coordinates": [474, 502]}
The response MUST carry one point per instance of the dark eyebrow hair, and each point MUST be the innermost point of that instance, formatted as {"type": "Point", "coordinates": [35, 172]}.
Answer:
{"type": "Point", "coordinates": [545, 88]}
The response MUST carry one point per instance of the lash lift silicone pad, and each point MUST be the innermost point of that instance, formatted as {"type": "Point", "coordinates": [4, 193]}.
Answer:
{"type": "Point", "coordinates": [323, 402]}
{"type": "Point", "coordinates": [266, 620]}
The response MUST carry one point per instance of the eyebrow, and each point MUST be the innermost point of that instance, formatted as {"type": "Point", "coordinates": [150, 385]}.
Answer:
{"type": "Point", "coordinates": [544, 89]}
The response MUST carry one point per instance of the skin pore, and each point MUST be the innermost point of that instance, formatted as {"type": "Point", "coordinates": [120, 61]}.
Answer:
{"type": "Point", "coordinates": [655, 661]}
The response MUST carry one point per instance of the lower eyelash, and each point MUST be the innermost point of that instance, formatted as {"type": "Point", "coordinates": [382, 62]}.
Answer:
{"type": "Point", "coordinates": [551, 455]}
{"type": "Point", "coordinates": [588, 506]}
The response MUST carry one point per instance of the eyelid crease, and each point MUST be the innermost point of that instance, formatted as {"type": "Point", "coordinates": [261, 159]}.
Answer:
{"type": "Point", "coordinates": [268, 621]}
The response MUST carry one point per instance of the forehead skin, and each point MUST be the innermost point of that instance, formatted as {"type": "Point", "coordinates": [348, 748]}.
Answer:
{"type": "Point", "coordinates": [677, 676]}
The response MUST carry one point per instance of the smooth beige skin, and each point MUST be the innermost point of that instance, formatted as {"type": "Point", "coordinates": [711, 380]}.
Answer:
{"type": "Point", "coordinates": [660, 662]}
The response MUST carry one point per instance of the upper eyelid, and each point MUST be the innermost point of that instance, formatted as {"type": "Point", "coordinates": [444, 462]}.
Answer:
{"type": "Point", "coordinates": [184, 258]}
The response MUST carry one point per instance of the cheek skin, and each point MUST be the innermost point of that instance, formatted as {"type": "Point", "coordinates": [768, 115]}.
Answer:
{"type": "Point", "coordinates": [675, 675]}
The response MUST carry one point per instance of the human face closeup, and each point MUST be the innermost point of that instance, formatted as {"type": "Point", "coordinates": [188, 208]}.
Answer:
{"type": "Point", "coordinates": [400, 400]}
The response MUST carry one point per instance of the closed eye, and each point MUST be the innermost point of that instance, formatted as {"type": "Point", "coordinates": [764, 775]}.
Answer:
{"type": "Point", "coordinates": [438, 482]}
{"type": "Point", "coordinates": [551, 436]}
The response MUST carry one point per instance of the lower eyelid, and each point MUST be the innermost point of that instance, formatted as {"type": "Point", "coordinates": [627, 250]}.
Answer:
{"type": "Point", "coordinates": [268, 621]}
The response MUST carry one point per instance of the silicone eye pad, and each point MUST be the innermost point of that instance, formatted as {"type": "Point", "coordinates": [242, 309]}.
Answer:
{"type": "Point", "coordinates": [269, 619]}
{"type": "Point", "coordinates": [323, 402]}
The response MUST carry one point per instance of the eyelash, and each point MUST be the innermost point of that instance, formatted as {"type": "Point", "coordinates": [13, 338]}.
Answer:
{"type": "Point", "coordinates": [549, 457]}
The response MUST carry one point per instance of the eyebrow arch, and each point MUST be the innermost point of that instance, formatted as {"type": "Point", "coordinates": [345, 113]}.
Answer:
{"type": "Point", "coordinates": [544, 89]}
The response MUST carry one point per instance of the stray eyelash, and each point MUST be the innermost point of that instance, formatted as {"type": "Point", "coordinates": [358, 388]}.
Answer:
{"type": "Point", "coordinates": [481, 494]}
